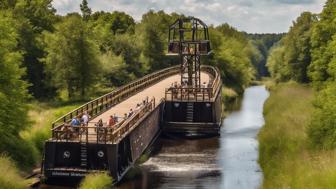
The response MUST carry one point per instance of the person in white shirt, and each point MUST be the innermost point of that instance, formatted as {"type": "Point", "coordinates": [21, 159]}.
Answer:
{"type": "Point", "coordinates": [137, 108]}
{"type": "Point", "coordinates": [85, 118]}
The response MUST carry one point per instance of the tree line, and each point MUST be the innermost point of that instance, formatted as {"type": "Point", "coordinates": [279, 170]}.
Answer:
{"type": "Point", "coordinates": [306, 54]}
{"type": "Point", "coordinates": [48, 56]}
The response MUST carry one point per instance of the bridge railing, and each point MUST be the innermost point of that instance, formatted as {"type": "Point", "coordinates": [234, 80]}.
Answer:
{"type": "Point", "coordinates": [205, 93]}
{"type": "Point", "coordinates": [101, 134]}
{"type": "Point", "coordinates": [105, 102]}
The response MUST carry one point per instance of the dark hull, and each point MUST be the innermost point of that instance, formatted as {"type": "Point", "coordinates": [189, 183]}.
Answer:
{"type": "Point", "coordinates": [193, 118]}
{"type": "Point", "coordinates": [116, 159]}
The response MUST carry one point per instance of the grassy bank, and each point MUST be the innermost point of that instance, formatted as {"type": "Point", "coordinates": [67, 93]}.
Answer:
{"type": "Point", "coordinates": [41, 116]}
{"type": "Point", "coordinates": [10, 177]}
{"type": "Point", "coordinates": [97, 181]}
{"type": "Point", "coordinates": [285, 154]}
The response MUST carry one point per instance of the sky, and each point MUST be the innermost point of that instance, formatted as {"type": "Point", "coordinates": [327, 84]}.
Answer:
{"type": "Point", "coordinates": [252, 16]}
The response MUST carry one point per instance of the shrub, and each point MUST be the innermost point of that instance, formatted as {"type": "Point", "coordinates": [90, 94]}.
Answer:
{"type": "Point", "coordinates": [9, 175]}
{"type": "Point", "coordinates": [322, 130]}
{"type": "Point", "coordinates": [97, 181]}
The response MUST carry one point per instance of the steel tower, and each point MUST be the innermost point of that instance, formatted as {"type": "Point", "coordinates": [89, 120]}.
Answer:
{"type": "Point", "coordinates": [189, 39]}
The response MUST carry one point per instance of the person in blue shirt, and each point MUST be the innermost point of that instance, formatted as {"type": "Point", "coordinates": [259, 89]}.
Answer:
{"type": "Point", "coordinates": [75, 122]}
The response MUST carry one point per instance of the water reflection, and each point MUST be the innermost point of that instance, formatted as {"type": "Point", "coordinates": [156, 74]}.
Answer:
{"type": "Point", "coordinates": [229, 161]}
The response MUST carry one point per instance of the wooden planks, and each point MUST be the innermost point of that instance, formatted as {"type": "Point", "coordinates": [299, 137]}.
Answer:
{"type": "Point", "coordinates": [157, 91]}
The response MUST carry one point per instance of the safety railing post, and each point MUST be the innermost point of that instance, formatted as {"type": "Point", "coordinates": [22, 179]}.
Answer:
{"type": "Point", "coordinates": [87, 134]}
{"type": "Point", "coordinates": [97, 131]}
{"type": "Point", "coordinates": [105, 133]}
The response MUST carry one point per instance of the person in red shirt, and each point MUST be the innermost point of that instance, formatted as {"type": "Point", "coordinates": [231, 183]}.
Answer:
{"type": "Point", "coordinates": [111, 121]}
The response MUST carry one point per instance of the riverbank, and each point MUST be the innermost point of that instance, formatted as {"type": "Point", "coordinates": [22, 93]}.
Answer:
{"type": "Point", "coordinates": [285, 155]}
{"type": "Point", "coordinates": [41, 115]}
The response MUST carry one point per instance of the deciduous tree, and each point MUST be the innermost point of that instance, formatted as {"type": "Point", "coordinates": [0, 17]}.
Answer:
{"type": "Point", "coordinates": [13, 94]}
{"type": "Point", "coordinates": [72, 57]}
{"type": "Point", "coordinates": [86, 10]}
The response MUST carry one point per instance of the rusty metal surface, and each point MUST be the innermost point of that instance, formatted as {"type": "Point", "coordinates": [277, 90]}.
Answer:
{"type": "Point", "coordinates": [144, 133]}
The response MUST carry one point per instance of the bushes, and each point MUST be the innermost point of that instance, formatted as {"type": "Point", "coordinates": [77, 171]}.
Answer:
{"type": "Point", "coordinates": [285, 155]}
{"type": "Point", "coordinates": [43, 115]}
{"type": "Point", "coordinates": [322, 130]}
{"type": "Point", "coordinates": [97, 181]}
{"type": "Point", "coordinates": [13, 94]}
{"type": "Point", "coordinates": [9, 176]}
{"type": "Point", "coordinates": [283, 137]}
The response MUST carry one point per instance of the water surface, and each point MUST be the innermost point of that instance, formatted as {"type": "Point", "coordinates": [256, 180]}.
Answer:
{"type": "Point", "coordinates": [228, 161]}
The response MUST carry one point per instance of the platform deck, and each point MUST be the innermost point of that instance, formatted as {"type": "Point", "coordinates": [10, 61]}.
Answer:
{"type": "Point", "coordinates": [157, 91]}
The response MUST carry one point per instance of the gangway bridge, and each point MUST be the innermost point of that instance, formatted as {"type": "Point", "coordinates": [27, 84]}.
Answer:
{"type": "Point", "coordinates": [169, 106]}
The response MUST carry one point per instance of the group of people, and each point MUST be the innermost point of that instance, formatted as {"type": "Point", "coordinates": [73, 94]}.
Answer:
{"type": "Point", "coordinates": [137, 108]}
{"type": "Point", "coordinates": [81, 120]}
{"type": "Point", "coordinates": [185, 84]}
{"type": "Point", "coordinates": [78, 123]}
{"type": "Point", "coordinates": [114, 119]}
{"type": "Point", "coordinates": [181, 89]}
{"type": "Point", "coordinates": [111, 122]}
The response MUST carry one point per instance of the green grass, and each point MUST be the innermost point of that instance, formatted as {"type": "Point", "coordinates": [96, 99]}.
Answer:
{"type": "Point", "coordinates": [9, 175]}
{"type": "Point", "coordinates": [231, 100]}
{"type": "Point", "coordinates": [41, 116]}
{"type": "Point", "coordinates": [97, 181]}
{"type": "Point", "coordinates": [287, 159]}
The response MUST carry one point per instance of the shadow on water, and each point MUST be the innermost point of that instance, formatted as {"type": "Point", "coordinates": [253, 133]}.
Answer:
{"type": "Point", "coordinates": [228, 161]}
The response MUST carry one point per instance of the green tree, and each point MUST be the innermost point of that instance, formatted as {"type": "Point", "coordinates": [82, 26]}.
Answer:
{"type": "Point", "coordinates": [85, 9]}
{"type": "Point", "coordinates": [263, 44]}
{"type": "Point", "coordinates": [233, 55]}
{"type": "Point", "coordinates": [126, 46]}
{"type": "Point", "coordinates": [276, 64]}
{"type": "Point", "coordinates": [153, 48]}
{"type": "Point", "coordinates": [298, 48]}
{"type": "Point", "coordinates": [75, 66]}
{"type": "Point", "coordinates": [106, 25]}
{"type": "Point", "coordinates": [33, 17]}
{"type": "Point", "coordinates": [291, 59]}
{"type": "Point", "coordinates": [323, 33]}
{"type": "Point", "coordinates": [13, 94]}
{"type": "Point", "coordinates": [322, 130]}
{"type": "Point", "coordinates": [122, 23]}
{"type": "Point", "coordinates": [154, 30]}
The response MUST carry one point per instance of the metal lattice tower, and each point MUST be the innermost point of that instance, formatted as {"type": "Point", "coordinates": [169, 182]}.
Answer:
{"type": "Point", "coordinates": [189, 38]}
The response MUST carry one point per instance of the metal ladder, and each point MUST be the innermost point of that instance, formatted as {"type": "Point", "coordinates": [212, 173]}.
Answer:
{"type": "Point", "coordinates": [190, 112]}
{"type": "Point", "coordinates": [83, 154]}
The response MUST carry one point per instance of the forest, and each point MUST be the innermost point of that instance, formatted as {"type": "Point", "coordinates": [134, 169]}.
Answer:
{"type": "Point", "coordinates": [306, 54]}
{"type": "Point", "coordinates": [51, 63]}
{"type": "Point", "coordinates": [301, 108]}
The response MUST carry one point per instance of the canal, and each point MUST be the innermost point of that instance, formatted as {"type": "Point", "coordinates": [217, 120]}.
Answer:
{"type": "Point", "coordinates": [228, 161]}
